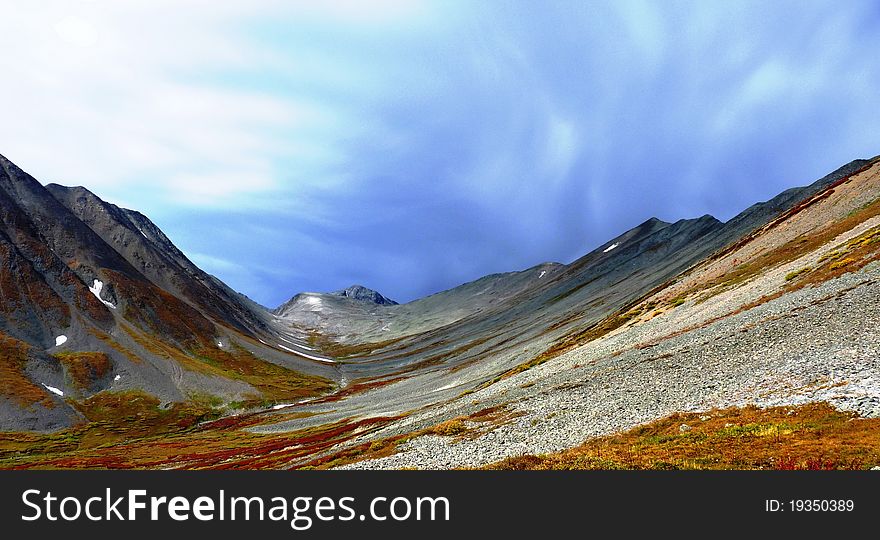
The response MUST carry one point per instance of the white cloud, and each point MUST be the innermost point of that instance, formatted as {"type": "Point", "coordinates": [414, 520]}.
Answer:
{"type": "Point", "coordinates": [359, 12]}
{"type": "Point", "coordinates": [769, 81]}
{"type": "Point", "coordinates": [645, 27]}
{"type": "Point", "coordinates": [561, 148]}
{"type": "Point", "coordinates": [134, 97]}
{"type": "Point", "coordinates": [76, 31]}
{"type": "Point", "coordinates": [215, 265]}
{"type": "Point", "coordinates": [212, 188]}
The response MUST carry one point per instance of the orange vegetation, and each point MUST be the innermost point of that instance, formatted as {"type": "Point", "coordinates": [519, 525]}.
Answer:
{"type": "Point", "coordinates": [13, 382]}
{"type": "Point", "coordinates": [84, 368]}
{"type": "Point", "coordinates": [812, 436]}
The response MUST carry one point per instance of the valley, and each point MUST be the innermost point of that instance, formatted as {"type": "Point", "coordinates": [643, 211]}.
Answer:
{"type": "Point", "coordinates": [163, 366]}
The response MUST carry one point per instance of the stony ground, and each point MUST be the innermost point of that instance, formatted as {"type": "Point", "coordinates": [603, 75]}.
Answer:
{"type": "Point", "coordinates": [815, 344]}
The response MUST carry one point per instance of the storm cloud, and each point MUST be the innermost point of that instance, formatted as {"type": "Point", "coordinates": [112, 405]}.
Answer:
{"type": "Point", "coordinates": [412, 146]}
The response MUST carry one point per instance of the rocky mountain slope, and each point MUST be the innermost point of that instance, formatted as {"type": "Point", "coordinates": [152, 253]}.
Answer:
{"type": "Point", "coordinates": [785, 315]}
{"type": "Point", "coordinates": [359, 292]}
{"type": "Point", "coordinates": [773, 306]}
{"type": "Point", "coordinates": [666, 280]}
{"type": "Point", "coordinates": [96, 298]}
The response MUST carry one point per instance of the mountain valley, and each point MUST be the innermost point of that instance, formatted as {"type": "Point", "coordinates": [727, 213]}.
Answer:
{"type": "Point", "coordinates": [117, 351]}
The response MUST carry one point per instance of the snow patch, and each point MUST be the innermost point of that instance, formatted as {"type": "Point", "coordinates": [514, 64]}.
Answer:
{"type": "Point", "coordinates": [609, 248]}
{"type": "Point", "coordinates": [310, 357]}
{"type": "Point", "coordinates": [286, 405]}
{"type": "Point", "coordinates": [542, 274]}
{"type": "Point", "coordinates": [116, 378]}
{"type": "Point", "coordinates": [220, 344]}
{"type": "Point", "coordinates": [293, 340]}
{"type": "Point", "coordinates": [60, 340]}
{"type": "Point", "coordinates": [313, 301]}
{"type": "Point", "coordinates": [447, 387]}
{"type": "Point", "coordinates": [54, 390]}
{"type": "Point", "coordinates": [96, 289]}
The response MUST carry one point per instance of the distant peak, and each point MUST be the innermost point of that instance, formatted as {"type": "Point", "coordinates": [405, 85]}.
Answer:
{"type": "Point", "coordinates": [363, 294]}
{"type": "Point", "coordinates": [705, 218]}
{"type": "Point", "coordinates": [651, 224]}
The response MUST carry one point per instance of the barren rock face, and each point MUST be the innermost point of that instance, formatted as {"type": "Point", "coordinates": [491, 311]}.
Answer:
{"type": "Point", "coordinates": [363, 294]}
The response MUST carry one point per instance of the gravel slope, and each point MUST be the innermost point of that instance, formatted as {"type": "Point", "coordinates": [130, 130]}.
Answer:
{"type": "Point", "coordinates": [814, 344]}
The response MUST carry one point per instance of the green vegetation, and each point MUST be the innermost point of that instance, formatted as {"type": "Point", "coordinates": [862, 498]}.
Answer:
{"type": "Point", "coordinates": [793, 275]}
{"type": "Point", "coordinates": [341, 351]}
{"type": "Point", "coordinates": [841, 263]}
{"type": "Point", "coordinates": [798, 247]}
{"type": "Point", "coordinates": [850, 257]}
{"type": "Point", "coordinates": [853, 254]}
{"type": "Point", "coordinates": [831, 256]}
{"type": "Point", "coordinates": [862, 207]}
{"type": "Point", "coordinates": [275, 383]}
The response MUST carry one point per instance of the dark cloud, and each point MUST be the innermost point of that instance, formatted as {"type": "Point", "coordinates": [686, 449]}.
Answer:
{"type": "Point", "coordinates": [502, 135]}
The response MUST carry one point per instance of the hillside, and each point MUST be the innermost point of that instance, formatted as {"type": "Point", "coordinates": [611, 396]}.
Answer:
{"type": "Point", "coordinates": [98, 301]}
{"type": "Point", "coordinates": [777, 306]}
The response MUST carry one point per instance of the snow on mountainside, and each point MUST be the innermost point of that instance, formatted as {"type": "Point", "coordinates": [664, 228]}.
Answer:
{"type": "Point", "coordinates": [105, 283]}
{"type": "Point", "coordinates": [100, 310]}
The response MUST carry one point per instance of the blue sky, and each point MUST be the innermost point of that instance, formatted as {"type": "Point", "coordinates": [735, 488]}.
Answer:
{"type": "Point", "coordinates": [411, 146]}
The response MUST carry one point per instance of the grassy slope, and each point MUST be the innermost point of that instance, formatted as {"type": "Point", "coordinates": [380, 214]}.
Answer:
{"type": "Point", "coordinates": [14, 384]}
{"type": "Point", "coordinates": [131, 430]}
{"type": "Point", "coordinates": [813, 436]}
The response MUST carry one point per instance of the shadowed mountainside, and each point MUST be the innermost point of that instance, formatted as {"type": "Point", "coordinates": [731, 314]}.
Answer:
{"type": "Point", "coordinates": [81, 277]}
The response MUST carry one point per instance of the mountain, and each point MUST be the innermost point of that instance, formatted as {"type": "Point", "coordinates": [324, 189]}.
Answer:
{"type": "Point", "coordinates": [460, 339]}
{"type": "Point", "coordinates": [96, 297]}
{"type": "Point", "coordinates": [140, 242]}
{"type": "Point", "coordinates": [363, 294]}
{"type": "Point", "coordinates": [775, 307]}
{"type": "Point", "coordinates": [100, 310]}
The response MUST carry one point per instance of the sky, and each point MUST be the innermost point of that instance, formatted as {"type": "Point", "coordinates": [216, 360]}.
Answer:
{"type": "Point", "coordinates": [411, 146]}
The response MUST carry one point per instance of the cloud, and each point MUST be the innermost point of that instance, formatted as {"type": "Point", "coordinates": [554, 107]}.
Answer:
{"type": "Point", "coordinates": [214, 265]}
{"type": "Point", "coordinates": [414, 145]}
{"type": "Point", "coordinates": [114, 97]}
{"type": "Point", "coordinates": [76, 31]}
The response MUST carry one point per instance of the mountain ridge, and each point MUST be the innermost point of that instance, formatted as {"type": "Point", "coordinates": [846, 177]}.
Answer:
{"type": "Point", "coordinates": [82, 279]}
{"type": "Point", "coordinates": [109, 282]}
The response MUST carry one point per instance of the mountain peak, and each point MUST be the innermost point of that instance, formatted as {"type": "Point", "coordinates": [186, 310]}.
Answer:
{"type": "Point", "coordinates": [363, 294]}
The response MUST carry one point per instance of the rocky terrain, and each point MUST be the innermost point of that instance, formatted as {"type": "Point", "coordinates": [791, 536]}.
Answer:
{"type": "Point", "coordinates": [96, 299]}
{"type": "Point", "coordinates": [776, 306]}
{"type": "Point", "coordinates": [792, 350]}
